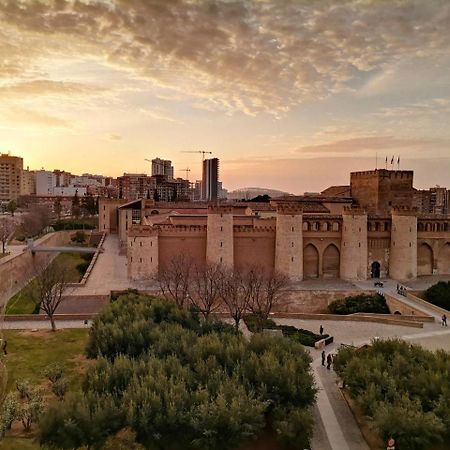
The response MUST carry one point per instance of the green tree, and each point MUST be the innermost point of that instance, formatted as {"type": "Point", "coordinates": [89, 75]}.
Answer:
{"type": "Point", "coordinates": [11, 207]}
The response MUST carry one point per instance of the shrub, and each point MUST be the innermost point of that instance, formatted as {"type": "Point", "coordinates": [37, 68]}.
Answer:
{"type": "Point", "coordinates": [402, 388]}
{"type": "Point", "coordinates": [174, 381]}
{"type": "Point", "coordinates": [54, 372]}
{"type": "Point", "coordinates": [59, 388]}
{"type": "Point", "coordinates": [439, 294]}
{"type": "Point", "coordinates": [80, 237]}
{"type": "Point", "coordinates": [362, 303]}
{"type": "Point", "coordinates": [82, 267]}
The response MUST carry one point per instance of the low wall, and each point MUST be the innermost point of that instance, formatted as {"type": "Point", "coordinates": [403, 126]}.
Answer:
{"type": "Point", "coordinates": [428, 305]}
{"type": "Point", "coordinates": [312, 301]}
{"type": "Point", "coordinates": [17, 272]}
{"type": "Point", "coordinates": [386, 319]}
{"type": "Point", "coordinates": [396, 305]}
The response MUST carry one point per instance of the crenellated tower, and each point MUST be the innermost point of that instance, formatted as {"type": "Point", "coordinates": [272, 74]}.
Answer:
{"type": "Point", "coordinates": [289, 240]}
{"type": "Point", "coordinates": [143, 252]}
{"type": "Point", "coordinates": [354, 253]}
{"type": "Point", "coordinates": [219, 239]}
{"type": "Point", "coordinates": [403, 252]}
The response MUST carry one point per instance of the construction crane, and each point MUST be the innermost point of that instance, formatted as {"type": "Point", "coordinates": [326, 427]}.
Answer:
{"type": "Point", "coordinates": [198, 151]}
{"type": "Point", "coordinates": [187, 170]}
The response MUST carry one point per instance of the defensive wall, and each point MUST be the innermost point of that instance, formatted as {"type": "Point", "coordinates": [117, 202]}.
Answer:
{"type": "Point", "coordinates": [350, 246]}
{"type": "Point", "coordinates": [16, 272]}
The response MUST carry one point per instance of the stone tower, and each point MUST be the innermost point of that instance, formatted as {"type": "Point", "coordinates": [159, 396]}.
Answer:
{"type": "Point", "coordinates": [403, 253]}
{"type": "Point", "coordinates": [219, 239]}
{"type": "Point", "coordinates": [143, 252]}
{"type": "Point", "coordinates": [289, 240]}
{"type": "Point", "coordinates": [354, 255]}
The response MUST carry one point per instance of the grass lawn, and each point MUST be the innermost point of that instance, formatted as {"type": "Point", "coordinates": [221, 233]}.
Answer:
{"type": "Point", "coordinates": [21, 303]}
{"type": "Point", "coordinates": [29, 353]}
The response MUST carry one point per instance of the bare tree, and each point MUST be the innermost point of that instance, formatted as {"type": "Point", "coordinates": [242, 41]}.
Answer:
{"type": "Point", "coordinates": [49, 287]}
{"type": "Point", "coordinates": [175, 277]}
{"type": "Point", "coordinates": [234, 294]}
{"type": "Point", "coordinates": [205, 288]}
{"type": "Point", "coordinates": [7, 227]}
{"type": "Point", "coordinates": [265, 290]}
{"type": "Point", "coordinates": [35, 220]}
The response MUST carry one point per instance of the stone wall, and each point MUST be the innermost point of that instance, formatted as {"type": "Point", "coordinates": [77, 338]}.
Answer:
{"type": "Point", "coordinates": [18, 271]}
{"type": "Point", "coordinates": [312, 301]}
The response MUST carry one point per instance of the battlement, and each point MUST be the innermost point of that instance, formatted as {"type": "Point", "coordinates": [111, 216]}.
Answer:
{"type": "Point", "coordinates": [384, 173]}
{"type": "Point", "coordinates": [250, 229]}
{"type": "Point", "coordinates": [220, 209]}
{"type": "Point", "coordinates": [288, 207]}
{"type": "Point", "coordinates": [403, 211]}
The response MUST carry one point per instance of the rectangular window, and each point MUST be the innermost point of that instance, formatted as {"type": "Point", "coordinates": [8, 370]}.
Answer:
{"type": "Point", "coordinates": [221, 244]}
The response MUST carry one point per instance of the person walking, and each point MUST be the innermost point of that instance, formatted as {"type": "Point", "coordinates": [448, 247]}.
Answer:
{"type": "Point", "coordinates": [444, 320]}
{"type": "Point", "coordinates": [329, 361]}
{"type": "Point", "coordinates": [323, 357]}
{"type": "Point", "coordinates": [321, 330]}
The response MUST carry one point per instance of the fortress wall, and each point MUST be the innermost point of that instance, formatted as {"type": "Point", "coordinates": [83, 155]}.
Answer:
{"type": "Point", "coordinates": [17, 272]}
{"type": "Point", "coordinates": [254, 249]}
{"type": "Point", "coordinates": [192, 244]}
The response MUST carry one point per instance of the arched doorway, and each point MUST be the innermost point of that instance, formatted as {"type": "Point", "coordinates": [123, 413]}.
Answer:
{"type": "Point", "coordinates": [424, 260]}
{"type": "Point", "coordinates": [330, 262]}
{"type": "Point", "coordinates": [375, 269]}
{"type": "Point", "coordinates": [443, 263]}
{"type": "Point", "coordinates": [310, 262]}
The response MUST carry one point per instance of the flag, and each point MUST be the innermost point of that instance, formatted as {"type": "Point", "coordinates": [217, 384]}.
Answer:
{"type": "Point", "coordinates": [392, 160]}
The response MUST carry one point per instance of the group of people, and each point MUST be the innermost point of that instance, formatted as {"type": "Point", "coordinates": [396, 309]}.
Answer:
{"type": "Point", "coordinates": [328, 359]}
{"type": "Point", "coordinates": [401, 290]}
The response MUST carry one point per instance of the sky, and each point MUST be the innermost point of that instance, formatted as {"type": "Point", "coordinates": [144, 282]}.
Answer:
{"type": "Point", "coordinates": [291, 95]}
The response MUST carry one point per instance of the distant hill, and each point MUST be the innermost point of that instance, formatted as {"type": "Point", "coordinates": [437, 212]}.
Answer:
{"type": "Point", "coordinates": [248, 193]}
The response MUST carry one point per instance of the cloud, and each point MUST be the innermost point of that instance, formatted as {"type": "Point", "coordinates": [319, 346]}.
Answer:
{"type": "Point", "coordinates": [372, 143]}
{"type": "Point", "coordinates": [252, 57]}
{"type": "Point", "coordinates": [34, 118]}
{"type": "Point", "coordinates": [159, 114]}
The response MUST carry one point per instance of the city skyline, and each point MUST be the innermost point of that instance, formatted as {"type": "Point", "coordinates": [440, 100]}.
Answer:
{"type": "Point", "coordinates": [290, 96]}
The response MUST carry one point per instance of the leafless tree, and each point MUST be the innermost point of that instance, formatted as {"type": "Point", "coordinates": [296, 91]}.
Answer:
{"type": "Point", "coordinates": [205, 288]}
{"type": "Point", "coordinates": [174, 279]}
{"type": "Point", "coordinates": [264, 289]}
{"type": "Point", "coordinates": [37, 218]}
{"type": "Point", "coordinates": [234, 294]}
{"type": "Point", "coordinates": [49, 287]}
{"type": "Point", "coordinates": [7, 227]}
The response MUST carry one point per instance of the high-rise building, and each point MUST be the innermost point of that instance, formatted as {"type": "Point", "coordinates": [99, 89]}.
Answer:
{"type": "Point", "coordinates": [210, 179]}
{"type": "Point", "coordinates": [45, 182]}
{"type": "Point", "coordinates": [28, 182]}
{"type": "Point", "coordinates": [11, 168]}
{"type": "Point", "coordinates": [162, 167]}
{"type": "Point", "coordinates": [133, 186]}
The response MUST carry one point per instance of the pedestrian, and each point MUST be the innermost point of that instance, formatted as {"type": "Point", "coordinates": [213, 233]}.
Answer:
{"type": "Point", "coordinates": [321, 330]}
{"type": "Point", "coordinates": [329, 360]}
{"type": "Point", "coordinates": [444, 320]}
{"type": "Point", "coordinates": [4, 344]}
{"type": "Point", "coordinates": [323, 357]}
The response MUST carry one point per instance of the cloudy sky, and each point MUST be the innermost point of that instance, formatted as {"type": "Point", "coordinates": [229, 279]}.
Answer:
{"type": "Point", "coordinates": [288, 94]}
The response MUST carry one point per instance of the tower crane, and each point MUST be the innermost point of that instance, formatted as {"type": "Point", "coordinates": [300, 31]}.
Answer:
{"type": "Point", "coordinates": [203, 152]}
{"type": "Point", "coordinates": [187, 170]}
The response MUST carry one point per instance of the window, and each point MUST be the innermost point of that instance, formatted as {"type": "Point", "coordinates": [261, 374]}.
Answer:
{"type": "Point", "coordinates": [221, 228]}
{"type": "Point", "coordinates": [292, 244]}
{"type": "Point", "coordinates": [292, 259]}
{"type": "Point", "coordinates": [221, 243]}
{"type": "Point", "coordinates": [292, 229]}
{"type": "Point", "coordinates": [140, 260]}
{"type": "Point", "coordinates": [140, 244]}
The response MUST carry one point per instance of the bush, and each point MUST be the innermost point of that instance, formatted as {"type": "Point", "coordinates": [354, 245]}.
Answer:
{"type": "Point", "coordinates": [54, 372]}
{"type": "Point", "coordinates": [362, 303]}
{"type": "Point", "coordinates": [173, 381]}
{"type": "Point", "coordinates": [256, 324]}
{"type": "Point", "coordinates": [80, 237]}
{"type": "Point", "coordinates": [82, 267]}
{"type": "Point", "coordinates": [402, 388]}
{"type": "Point", "coordinates": [439, 294]}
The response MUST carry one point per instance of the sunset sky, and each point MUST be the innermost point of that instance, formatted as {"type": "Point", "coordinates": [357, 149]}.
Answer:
{"type": "Point", "coordinates": [288, 94]}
